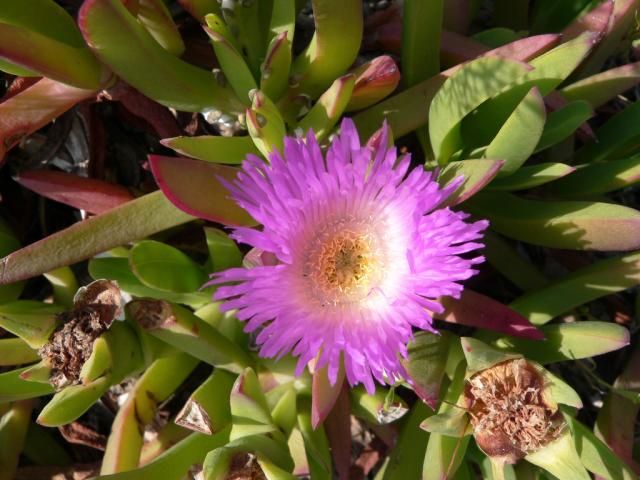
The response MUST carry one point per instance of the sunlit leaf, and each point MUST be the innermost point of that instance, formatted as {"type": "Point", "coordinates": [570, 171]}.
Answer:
{"type": "Point", "coordinates": [531, 176]}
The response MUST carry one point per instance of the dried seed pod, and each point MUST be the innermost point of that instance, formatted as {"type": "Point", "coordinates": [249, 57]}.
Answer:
{"type": "Point", "coordinates": [71, 344]}
{"type": "Point", "coordinates": [510, 413]}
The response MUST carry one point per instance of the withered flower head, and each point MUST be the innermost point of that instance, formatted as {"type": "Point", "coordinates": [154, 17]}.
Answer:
{"type": "Point", "coordinates": [71, 344]}
{"type": "Point", "coordinates": [509, 412]}
{"type": "Point", "coordinates": [244, 466]}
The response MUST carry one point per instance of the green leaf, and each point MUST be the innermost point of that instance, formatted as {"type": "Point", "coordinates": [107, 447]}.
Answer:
{"type": "Point", "coordinates": [481, 356]}
{"type": "Point", "coordinates": [616, 138]}
{"type": "Point", "coordinates": [569, 341]}
{"type": "Point", "coordinates": [14, 425]}
{"type": "Point", "coordinates": [477, 173]}
{"type": "Point", "coordinates": [329, 107]}
{"type": "Point", "coordinates": [316, 445]}
{"type": "Point", "coordinates": [14, 388]}
{"type": "Point", "coordinates": [15, 351]}
{"type": "Point", "coordinates": [32, 321]}
{"type": "Point", "coordinates": [333, 48]}
{"type": "Point", "coordinates": [233, 65]}
{"type": "Point", "coordinates": [165, 268]}
{"type": "Point", "coordinates": [563, 122]}
{"type": "Point", "coordinates": [560, 459]}
{"type": "Point", "coordinates": [324, 394]}
{"type": "Point", "coordinates": [560, 224]}
{"type": "Point", "coordinates": [130, 51]}
{"type": "Point", "coordinates": [598, 89]}
{"type": "Point", "coordinates": [283, 19]}
{"type": "Point", "coordinates": [517, 138]}
{"type": "Point", "coordinates": [215, 149]}
{"type": "Point", "coordinates": [464, 91]}
{"type": "Point", "coordinates": [406, 458]}
{"type": "Point", "coordinates": [454, 423]}
{"type": "Point", "coordinates": [375, 80]}
{"type": "Point", "coordinates": [531, 176]}
{"type": "Point", "coordinates": [223, 251]}
{"type": "Point", "coordinates": [9, 243]}
{"type": "Point", "coordinates": [265, 124]}
{"type": "Point", "coordinates": [119, 270]}
{"type": "Point", "coordinates": [598, 178]}
{"type": "Point", "coordinates": [118, 226]}
{"type": "Point", "coordinates": [207, 410]}
{"type": "Point", "coordinates": [156, 18]}
{"type": "Point", "coordinates": [445, 454]}
{"type": "Point", "coordinates": [64, 285]}
{"type": "Point", "coordinates": [421, 30]}
{"type": "Point", "coordinates": [275, 69]}
{"type": "Point", "coordinates": [426, 363]}
{"type": "Point", "coordinates": [557, 390]}
{"type": "Point", "coordinates": [595, 455]}
{"type": "Point", "coordinates": [601, 278]}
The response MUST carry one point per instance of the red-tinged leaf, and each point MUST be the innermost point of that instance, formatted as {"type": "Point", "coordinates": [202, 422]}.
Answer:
{"type": "Point", "coordinates": [476, 310]}
{"type": "Point", "coordinates": [338, 429]}
{"type": "Point", "coordinates": [602, 87]}
{"type": "Point", "coordinates": [596, 20]}
{"type": "Point", "coordinates": [374, 81]}
{"type": "Point", "coordinates": [123, 44]}
{"type": "Point", "coordinates": [477, 173]}
{"type": "Point", "coordinates": [324, 394]}
{"type": "Point", "coordinates": [193, 187]}
{"type": "Point", "coordinates": [426, 363]}
{"type": "Point", "coordinates": [621, 20]}
{"type": "Point", "coordinates": [199, 8]}
{"type": "Point", "coordinates": [33, 108]}
{"type": "Point", "coordinates": [131, 221]}
{"type": "Point", "coordinates": [94, 196]}
{"type": "Point", "coordinates": [400, 109]}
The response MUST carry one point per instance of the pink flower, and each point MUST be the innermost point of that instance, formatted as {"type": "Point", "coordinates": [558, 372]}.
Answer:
{"type": "Point", "coordinates": [363, 252]}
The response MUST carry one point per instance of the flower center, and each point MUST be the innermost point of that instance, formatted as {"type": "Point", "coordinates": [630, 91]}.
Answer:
{"type": "Point", "coordinates": [342, 264]}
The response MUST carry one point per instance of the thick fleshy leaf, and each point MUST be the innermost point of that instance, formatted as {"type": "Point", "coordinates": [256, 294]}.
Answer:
{"type": "Point", "coordinates": [200, 8]}
{"type": "Point", "coordinates": [118, 269]}
{"type": "Point", "coordinates": [425, 364]}
{"type": "Point", "coordinates": [531, 176]}
{"type": "Point", "coordinates": [156, 18]}
{"type": "Point", "coordinates": [560, 459]}
{"type": "Point", "coordinates": [517, 138]}
{"type": "Point", "coordinates": [315, 442]}
{"type": "Point", "coordinates": [129, 50]}
{"type": "Point", "coordinates": [328, 109]}
{"type": "Point", "coordinates": [400, 110]}
{"type": "Point", "coordinates": [596, 20]}
{"type": "Point", "coordinates": [569, 341]}
{"type": "Point", "coordinates": [618, 137]}
{"type": "Point", "coordinates": [338, 429]}
{"type": "Point", "coordinates": [563, 122]}
{"type": "Point", "coordinates": [94, 196]}
{"type": "Point", "coordinates": [277, 64]}
{"type": "Point", "coordinates": [476, 173]}
{"type": "Point", "coordinates": [123, 224]}
{"type": "Point", "coordinates": [15, 351]}
{"type": "Point", "coordinates": [374, 81]}
{"type": "Point", "coordinates": [215, 149]}
{"type": "Point", "coordinates": [616, 420]}
{"type": "Point", "coordinates": [265, 124]}
{"type": "Point", "coordinates": [32, 321]}
{"type": "Point", "coordinates": [599, 178]}
{"type": "Point", "coordinates": [223, 251]}
{"type": "Point", "coordinates": [618, 25]}
{"type": "Point", "coordinates": [595, 455]}
{"type": "Point", "coordinates": [48, 57]}
{"type": "Point", "coordinates": [193, 186]}
{"type": "Point", "coordinates": [602, 87]}
{"type": "Point", "coordinates": [445, 454]}
{"type": "Point", "coordinates": [249, 410]}
{"type": "Point", "coordinates": [163, 267]}
{"type": "Point", "coordinates": [421, 27]}
{"type": "Point", "coordinates": [333, 48]}
{"type": "Point", "coordinates": [324, 394]}
{"type": "Point", "coordinates": [406, 458]}
{"type": "Point", "coordinates": [13, 387]}
{"type": "Point", "coordinates": [560, 224]}
{"type": "Point", "coordinates": [480, 356]}
{"type": "Point", "coordinates": [477, 310]}
{"type": "Point", "coordinates": [233, 65]}
{"type": "Point", "coordinates": [33, 108]}
{"type": "Point", "coordinates": [462, 93]}
{"type": "Point", "coordinates": [602, 278]}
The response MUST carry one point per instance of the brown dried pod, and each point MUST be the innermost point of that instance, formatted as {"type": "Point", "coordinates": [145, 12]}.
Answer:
{"type": "Point", "coordinates": [71, 344]}
{"type": "Point", "coordinates": [244, 466]}
{"type": "Point", "coordinates": [510, 413]}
